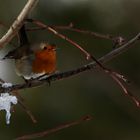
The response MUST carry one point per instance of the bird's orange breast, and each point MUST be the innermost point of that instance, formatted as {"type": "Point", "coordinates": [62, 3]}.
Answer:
{"type": "Point", "coordinates": [45, 62]}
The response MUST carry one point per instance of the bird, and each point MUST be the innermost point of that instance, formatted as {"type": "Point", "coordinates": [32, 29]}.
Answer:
{"type": "Point", "coordinates": [33, 59]}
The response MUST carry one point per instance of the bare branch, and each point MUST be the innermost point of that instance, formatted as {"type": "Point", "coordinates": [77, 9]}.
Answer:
{"type": "Point", "coordinates": [127, 92]}
{"type": "Point", "coordinates": [52, 30]}
{"type": "Point", "coordinates": [118, 40]}
{"type": "Point", "coordinates": [18, 22]}
{"type": "Point", "coordinates": [120, 50]}
{"type": "Point", "coordinates": [21, 103]}
{"type": "Point", "coordinates": [57, 76]}
{"type": "Point", "coordinates": [88, 55]}
{"type": "Point", "coordinates": [90, 66]}
{"type": "Point", "coordinates": [66, 74]}
{"type": "Point", "coordinates": [25, 107]}
{"type": "Point", "coordinates": [56, 129]}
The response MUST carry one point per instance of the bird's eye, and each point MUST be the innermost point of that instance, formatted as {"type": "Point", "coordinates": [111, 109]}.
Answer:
{"type": "Point", "coordinates": [44, 48]}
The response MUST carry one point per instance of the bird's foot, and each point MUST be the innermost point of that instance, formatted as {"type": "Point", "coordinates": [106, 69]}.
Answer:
{"type": "Point", "coordinates": [28, 81]}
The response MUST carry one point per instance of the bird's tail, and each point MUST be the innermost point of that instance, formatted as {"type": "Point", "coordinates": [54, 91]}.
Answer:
{"type": "Point", "coordinates": [17, 53]}
{"type": "Point", "coordinates": [23, 36]}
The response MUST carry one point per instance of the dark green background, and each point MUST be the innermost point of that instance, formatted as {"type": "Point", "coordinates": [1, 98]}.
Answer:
{"type": "Point", "coordinates": [115, 116]}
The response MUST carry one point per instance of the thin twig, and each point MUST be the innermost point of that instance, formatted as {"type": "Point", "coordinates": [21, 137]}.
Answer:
{"type": "Point", "coordinates": [120, 50]}
{"type": "Point", "coordinates": [18, 22]}
{"type": "Point", "coordinates": [88, 55]}
{"type": "Point", "coordinates": [40, 24]}
{"type": "Point", "coordinates": [115, 74]}
{"type": "Point", "coordinates": [127, 92]}
{"type": "Point", "coordinates": [56, 129]}
{"type": "Point", "coordinates": [25, 107]}
{"type": "Point", "coordinates": [90, 66]}
{"type": "Point", "coordinates": [66, 74]}
{"type": "Point", "coordinates": [21, 103]}
{"type": "Point", "coordinates": [118, 40]}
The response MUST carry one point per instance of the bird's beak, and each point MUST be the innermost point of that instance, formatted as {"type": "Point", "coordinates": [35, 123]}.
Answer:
{"type": "Point", "coordinates": [55, 49]}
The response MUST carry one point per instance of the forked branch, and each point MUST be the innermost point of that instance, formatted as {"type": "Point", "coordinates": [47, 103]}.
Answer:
{"type": "Point", "coordinates": [117, 40]}
{"type": "Point", "coordinates": [90, 66]}
{"type": "Point", "coordinates": [118, 78]}
{"type": "Point", "coordinates": [55, 129]}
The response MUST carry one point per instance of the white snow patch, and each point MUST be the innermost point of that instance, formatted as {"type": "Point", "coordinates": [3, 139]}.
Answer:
{"type": "Point", "coordinates": [6, 101]}
{"type": "Point", "coordinates": [6, 85]}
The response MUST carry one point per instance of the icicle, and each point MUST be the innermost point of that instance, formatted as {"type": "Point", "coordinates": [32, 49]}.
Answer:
{"type": "Point", "coordinates": [6, 101]}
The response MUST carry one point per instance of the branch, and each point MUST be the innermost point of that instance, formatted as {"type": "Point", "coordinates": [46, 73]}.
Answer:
{"type": "Point", "coordinates": [21, 103]}
{"type": "Point", "coordinates": [66, 74]}
{"type": "Point", "coordinates": [90, 66]}
{"type": "Point", "coordinates": [18, 22]}
{"type": "Point", "coordinates": [25, 107]}
{"type": "Point", "coordinates": [118, 40]}
{"type": "Point", "coordinates": [56, 129]}
{"type": "Point", "coordinates": [52, 30]}
{"type": "Point", "coordinates": [120, 50]}
{"type": "Point", "coordinates": [88, 55]}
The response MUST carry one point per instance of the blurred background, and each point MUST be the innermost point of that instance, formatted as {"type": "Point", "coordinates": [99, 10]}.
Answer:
{"type": "Point", "coordinates": [115, 116]}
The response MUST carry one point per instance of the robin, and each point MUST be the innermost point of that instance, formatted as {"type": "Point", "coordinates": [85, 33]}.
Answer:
{"type": "Point", "coordinates": [33, 60]}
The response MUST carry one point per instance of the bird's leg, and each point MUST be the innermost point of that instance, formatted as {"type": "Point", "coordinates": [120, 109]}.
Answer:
{"type": "Point", "coordinates": [49, 82]}
{"type": "Point", "coordinates": [28, 82]}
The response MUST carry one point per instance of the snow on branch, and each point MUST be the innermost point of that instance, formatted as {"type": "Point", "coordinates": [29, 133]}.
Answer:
{"type": "Point", "coordinates": [6, 101]}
